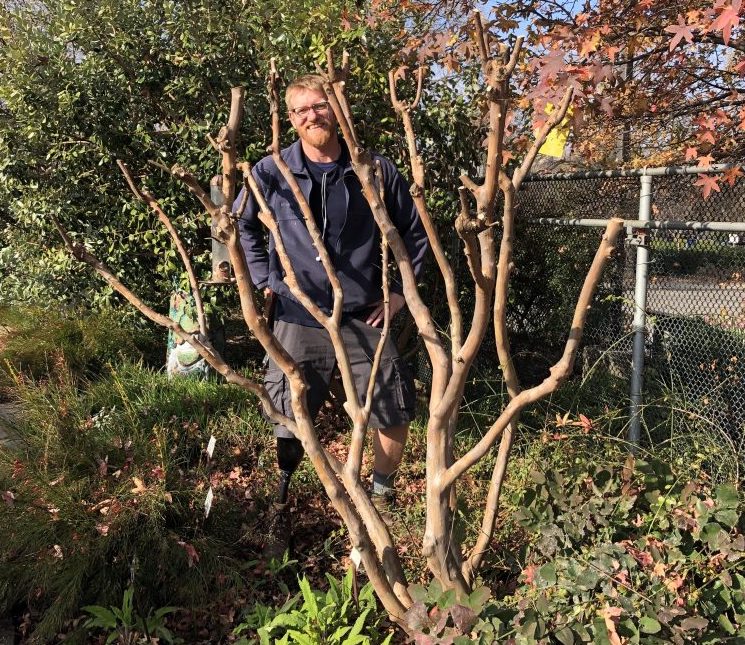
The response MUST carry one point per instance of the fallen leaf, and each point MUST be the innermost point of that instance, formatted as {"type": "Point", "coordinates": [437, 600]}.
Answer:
{"type": "Point", "coordinates": [139, 486]}
{"type": "Point", "coordinates": [529, 573]}
{"type": "Point", "coordinates": [610, 616]}
{"type": "Point", "coordinates": [191, 553]}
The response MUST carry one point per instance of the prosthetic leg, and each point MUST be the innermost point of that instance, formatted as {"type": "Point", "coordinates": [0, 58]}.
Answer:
{"type": "Point", "coordinates": [289, 455]}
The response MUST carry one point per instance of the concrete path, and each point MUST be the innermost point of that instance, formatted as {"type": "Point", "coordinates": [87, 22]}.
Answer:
{"type": "Point", "coordinates": [8, 412]}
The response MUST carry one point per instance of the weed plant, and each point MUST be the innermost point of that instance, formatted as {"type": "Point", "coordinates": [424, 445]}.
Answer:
{"type": "Point", "coordinates": [342, 615]}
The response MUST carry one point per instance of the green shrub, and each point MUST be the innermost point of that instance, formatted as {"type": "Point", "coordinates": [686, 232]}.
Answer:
{"type": "Point", "coordinates": [108, 484]}
{"type": "Point", "coordinates": [617, 551]}
{"type": "Point", "coordinates": [338, 616]}
{"type": "Point", "coordinates": [634, 550]}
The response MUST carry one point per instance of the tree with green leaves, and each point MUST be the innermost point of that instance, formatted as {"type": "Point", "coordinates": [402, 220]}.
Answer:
{"type": "Point", "coordinates": [85, 83]}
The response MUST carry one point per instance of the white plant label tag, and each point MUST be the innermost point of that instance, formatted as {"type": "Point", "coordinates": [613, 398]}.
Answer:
{"type": "Point", "coordinates": [356, 557]}
{"type": "Point", "coordinates": [211, 446]}
{"type": "Point", "coordinates": [208, 502]}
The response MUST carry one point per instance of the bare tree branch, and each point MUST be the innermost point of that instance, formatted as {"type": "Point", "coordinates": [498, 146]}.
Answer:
{"type": "Point", "coordinates": [556, 117]}
{"type": "Point", "coordinates": [199, 344]}
{"type": "Point", "coordinates": [559, 372]}
{"type": "Point", "coordinates": [144, 196]}
{"type": "Point", "coordinates": [417, 192]}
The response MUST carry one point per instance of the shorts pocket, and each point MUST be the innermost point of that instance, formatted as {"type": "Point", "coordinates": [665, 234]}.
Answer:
{"type": "Point", "coordinates": [405, 392]}
{"type": "Point", "coordinates": [278, 390]}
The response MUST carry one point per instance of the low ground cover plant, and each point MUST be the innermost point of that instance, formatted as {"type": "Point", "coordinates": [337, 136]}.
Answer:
{"type": "Point", "coordinates": [34, 342]}
{"type": "Point", "coordinates": [106, 484]}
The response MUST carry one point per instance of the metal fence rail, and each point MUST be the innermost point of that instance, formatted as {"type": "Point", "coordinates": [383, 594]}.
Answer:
{"type": "Point", "coordinates": [674, 300]}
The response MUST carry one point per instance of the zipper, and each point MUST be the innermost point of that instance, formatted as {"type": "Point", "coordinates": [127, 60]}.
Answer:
{"type": "Point", "coordinates": [324, 214]}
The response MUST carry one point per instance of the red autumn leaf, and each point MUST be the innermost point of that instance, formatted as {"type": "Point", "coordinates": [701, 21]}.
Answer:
{"type": "Point", "coordinates": [728, 19]}
{"type": "Point", "coordinates": [732, 175]}
{"type": "Point", "coordinates": [529, 573]}
{"type": "Point", "coordinates": [708, 183]}
{"type": "Point", "coordinates": [551, 64]}
{"type": "Point", "coordinates": [679, 31]}
{"type": "Point", "coordinates": [691, 153]}
{"type": "Point", "coordinates": [705, 160]}
{"type": "Point", "coordinates": [705, 121]}
{"type": "Point", "coordinates": [707, 136]}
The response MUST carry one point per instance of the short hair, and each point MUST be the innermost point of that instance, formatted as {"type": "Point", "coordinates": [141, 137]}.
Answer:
{"type": "Point", "coordinates": [305, 82]}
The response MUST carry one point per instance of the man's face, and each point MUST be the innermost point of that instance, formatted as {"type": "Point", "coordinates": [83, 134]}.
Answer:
{"type": "Point", "coordinates": [316, 128]}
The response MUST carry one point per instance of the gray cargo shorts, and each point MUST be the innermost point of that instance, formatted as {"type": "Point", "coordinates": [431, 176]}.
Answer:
{"type": "Point", "coordinates": [394, 398]}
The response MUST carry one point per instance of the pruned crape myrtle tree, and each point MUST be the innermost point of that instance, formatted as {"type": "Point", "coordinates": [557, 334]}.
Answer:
{"type": "Point", "coordinates": [453, 564]}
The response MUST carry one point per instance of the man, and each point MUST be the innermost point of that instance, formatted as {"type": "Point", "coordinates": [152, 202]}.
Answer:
{"type": "Point", "coordinates": [320, 161]}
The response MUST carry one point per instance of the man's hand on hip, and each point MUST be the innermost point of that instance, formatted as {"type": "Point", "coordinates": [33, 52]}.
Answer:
{"type": "Point", "coordinates": [397, 301]}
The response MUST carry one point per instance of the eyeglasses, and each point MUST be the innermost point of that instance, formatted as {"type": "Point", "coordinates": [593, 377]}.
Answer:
{"type": "Point", "coordinates": [318, 108]}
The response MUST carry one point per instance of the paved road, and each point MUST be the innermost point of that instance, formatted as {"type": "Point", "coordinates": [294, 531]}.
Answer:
{"type": "Point", "coordinates": [694, 298]}
{"type": "Point", "coordinates": [680, 297]}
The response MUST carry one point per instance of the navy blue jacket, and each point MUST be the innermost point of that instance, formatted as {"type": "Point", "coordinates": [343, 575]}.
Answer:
{"type": "Point", "coordinates": [357, 253]}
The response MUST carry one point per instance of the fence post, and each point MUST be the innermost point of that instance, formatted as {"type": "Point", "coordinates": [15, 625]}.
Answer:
{"type": "Point", "coordinates": [640, 313]}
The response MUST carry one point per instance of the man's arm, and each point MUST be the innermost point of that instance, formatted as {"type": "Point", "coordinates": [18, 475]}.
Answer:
{"type": "Point", "coordinates": [405, 217]}
{"type": "Point", "coordinates": [253, 239]}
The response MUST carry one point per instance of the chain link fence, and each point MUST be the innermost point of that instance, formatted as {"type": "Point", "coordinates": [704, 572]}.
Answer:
{"type": "Point", "coordinates": [695, 309]}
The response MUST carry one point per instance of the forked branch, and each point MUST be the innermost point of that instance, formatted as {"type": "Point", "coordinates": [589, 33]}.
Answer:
{"type": "Point", "coordinates": [417, 191]}
{"type": "Point", "coordinates": [559, 372]}
{"type": "Point", "coordinates": [147, 198]}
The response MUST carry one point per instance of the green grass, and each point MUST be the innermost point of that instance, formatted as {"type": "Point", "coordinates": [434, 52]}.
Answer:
{"type": "Point", "coordinates": [34, 342]}
{"type": "Point", "coordinates": [109, 480]}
